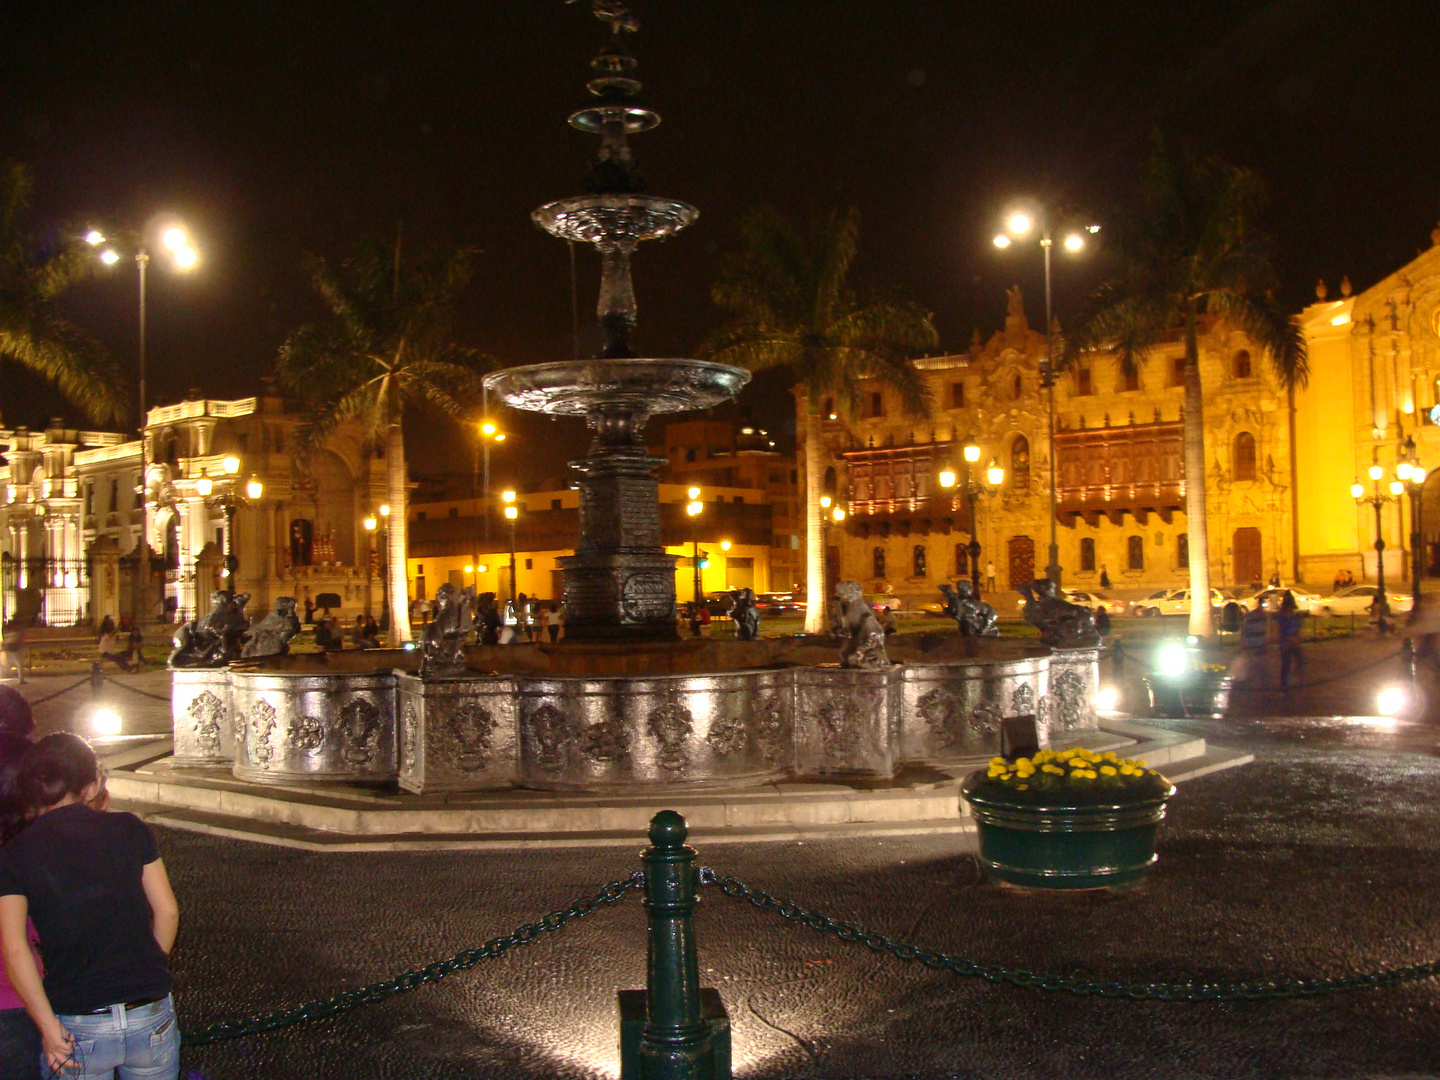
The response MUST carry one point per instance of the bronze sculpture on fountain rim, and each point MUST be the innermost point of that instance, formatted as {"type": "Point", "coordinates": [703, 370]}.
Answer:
{"type": "Point", "coordinates": [1062, 625]}
{"type": "Point", "coordinates": [973, 618]}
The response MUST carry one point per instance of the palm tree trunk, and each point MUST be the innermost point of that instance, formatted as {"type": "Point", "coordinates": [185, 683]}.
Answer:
{"type": "Point", "coordinates": [817, 604]}
{"type": "Point", "coordinates": [397, 484]}
{"type": "Point", "coordinates": [1202, 622]}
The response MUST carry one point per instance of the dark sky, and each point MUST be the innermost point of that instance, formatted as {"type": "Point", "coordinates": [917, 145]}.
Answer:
{"type": "Point", "coordinates": [277, 128]}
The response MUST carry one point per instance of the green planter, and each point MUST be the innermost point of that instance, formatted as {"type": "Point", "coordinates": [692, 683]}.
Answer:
{"type": "Point", "coordinates": [1067, 840]}
{"type": "Point", "coordinates": [1195, 694]}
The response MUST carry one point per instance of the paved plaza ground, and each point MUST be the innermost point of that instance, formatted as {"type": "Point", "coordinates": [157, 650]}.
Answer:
{"type": "Point", "coordinates": [1317, 859]}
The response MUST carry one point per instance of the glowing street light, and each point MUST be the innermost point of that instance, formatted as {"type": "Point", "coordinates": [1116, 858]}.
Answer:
{"type": "Point", "coordinates": [1020, 224]}
{"type": "Point", "coordinates": [370, 523]}
{"type": "Point", "coordinates": [204, 486]}
{"type": "Point", "coordinates": [109, 256]}
{"type": "Point", "coordinates": [995, 474]}
{"type": "Point", "coordinates": [947, 478]}
{"type": "Point", "coordinates": [230, 464]}
{"type": "Point", "coordinates": [254, 488]}
{"type": "Point", "coordinates": [94, 237]}
{"type": "Point", "coordinates": [972, 453]}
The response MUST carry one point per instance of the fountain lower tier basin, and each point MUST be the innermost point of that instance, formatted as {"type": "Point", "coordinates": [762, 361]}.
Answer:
{"type": "Point", "coordinates": [689, 715]}
{"type": "Point", "coordinates": [638, 386]}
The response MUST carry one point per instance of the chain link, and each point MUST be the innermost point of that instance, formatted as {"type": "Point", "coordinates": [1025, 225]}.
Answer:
{"type": "Point", "coordinates": [995, 973]}
{"type": "Point", "coordinates": [410, 980]}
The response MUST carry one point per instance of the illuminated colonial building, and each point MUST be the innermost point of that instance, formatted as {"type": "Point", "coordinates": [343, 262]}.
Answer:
{"type": "Point", "coordinates": [1119, 469]}
{"type": "Point", "coordinates": [78, 542]}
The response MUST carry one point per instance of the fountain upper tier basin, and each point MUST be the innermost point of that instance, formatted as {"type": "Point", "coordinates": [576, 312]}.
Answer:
{"type": "Point", "coordinates": [609, 219]}
{"type": "Point", "coordinates": [633, 385]}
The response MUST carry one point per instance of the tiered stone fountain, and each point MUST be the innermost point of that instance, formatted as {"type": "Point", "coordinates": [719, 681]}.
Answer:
{"type": "Point", "coordinates": [622, 704]}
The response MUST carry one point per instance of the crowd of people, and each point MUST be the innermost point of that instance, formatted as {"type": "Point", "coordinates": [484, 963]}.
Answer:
{"type": "Point", "coordinates": [87, 918]}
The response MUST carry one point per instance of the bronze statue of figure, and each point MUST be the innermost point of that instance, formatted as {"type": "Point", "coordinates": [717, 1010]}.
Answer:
{"type": "Point", "coordinates": [973, 618]}
{"type": "Point", "coordinates": [864, 645]}
{"type": "Point", "coordinates": [215, 639]}
{"type": "Point", "coordinates": [745, 614]}
{"type": "Point", "coordinates": [1062, 625]}
{"type": "Point", "coordinates": [271, 635]}
{"type": "Point", "coordinates": [442, 649]}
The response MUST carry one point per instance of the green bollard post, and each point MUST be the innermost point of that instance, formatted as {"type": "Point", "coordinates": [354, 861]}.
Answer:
{"type": "Point", "coordinates": [676, 1043]}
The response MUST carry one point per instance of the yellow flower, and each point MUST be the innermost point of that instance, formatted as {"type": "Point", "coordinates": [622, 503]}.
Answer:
{"type": "Point", "coordinates": [1000, 761]}
{"type": "Point", "coordinates": [1022, 763]}
{"type": "Point", "coordinates": [1108, 770]}
{"type": "Point", "coordinates": [1022, 787]}
{"type": "Point", "coordinates": [1109, 755]}
{"type": "Point", "coordinates": [1054, 769]}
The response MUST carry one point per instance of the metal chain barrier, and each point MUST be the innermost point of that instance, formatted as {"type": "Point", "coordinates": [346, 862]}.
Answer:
{"type": "Point", "coordinates": [996, 973]}
{"type": "Point", "coordinates": [136, 690]}
{"type": "Point", "coordinates": [73, 686]}
{"type": "Point", "coordinates": [410, 980]}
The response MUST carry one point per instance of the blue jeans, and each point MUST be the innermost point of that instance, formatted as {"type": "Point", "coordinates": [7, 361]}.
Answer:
{"type": "Point", "coordinates": [138, 1044]}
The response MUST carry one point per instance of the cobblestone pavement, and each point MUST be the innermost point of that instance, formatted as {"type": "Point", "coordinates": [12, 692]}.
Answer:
{"type": "Point", "coordinates": [1318, 859]}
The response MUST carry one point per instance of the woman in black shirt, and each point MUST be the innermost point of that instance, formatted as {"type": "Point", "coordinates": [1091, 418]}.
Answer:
{"type": "Point", "coordinates": [97, 891]}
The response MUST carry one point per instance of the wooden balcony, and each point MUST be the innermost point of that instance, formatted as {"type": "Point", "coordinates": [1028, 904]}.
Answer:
{"type": "Point", "coordinates": [898, 488]}
{"type": "Point", "coordinates": [1138, 469]}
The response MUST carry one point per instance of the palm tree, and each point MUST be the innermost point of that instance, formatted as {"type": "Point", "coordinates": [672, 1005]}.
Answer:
{"type": "Point", "coordinates": [1193, 251]}
{"type": "Point", "coordinates": [385, 345]}
{"type": "Point", "coordinates": [32, 332]}
{"type": "Point", "coordinates": [793, 306]}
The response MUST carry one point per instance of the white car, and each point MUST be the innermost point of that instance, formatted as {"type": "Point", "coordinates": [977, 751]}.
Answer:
{"type": "Point", "coordinates": [1356, 600]}
{"type": "Point", "coordinates": [1095, 600]}
{"type": "Point", "coordinates": [1271, 599]}
{"type": "Point", "coordinates": [1172, 602]}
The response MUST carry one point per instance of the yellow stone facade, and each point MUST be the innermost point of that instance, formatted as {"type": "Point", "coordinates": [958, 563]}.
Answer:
{"type": "Point", "coordinates": [1372, 396]}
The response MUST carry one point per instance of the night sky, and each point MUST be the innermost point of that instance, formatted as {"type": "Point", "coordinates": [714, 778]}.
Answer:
{"type": "Point", "coordinates": [276, 129]}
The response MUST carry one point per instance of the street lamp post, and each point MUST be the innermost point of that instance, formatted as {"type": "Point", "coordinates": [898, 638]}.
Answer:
{"type": "Point", "coordinates": [972, 491]}
{"type": "Point", "coordinates": [694, 508]}
{"type": "Point", "coordinates": [182, 252]}
{"type": "Point", "coordinates": [1378, 499]}
{"type": "Point", "coordinates": [228, 501]}
{"type": "Point", "coordinates": [512, 513]}
{"type": "Point", "coordinates": [377, 524]}
{"type": "Point", "coordinates": [1019, 225]}
{"type": "Point", "coordinates": [1413, 474]}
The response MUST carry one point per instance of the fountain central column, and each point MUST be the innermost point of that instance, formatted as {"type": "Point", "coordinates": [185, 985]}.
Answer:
{"type": "Point", "coordinates": [619, 584]}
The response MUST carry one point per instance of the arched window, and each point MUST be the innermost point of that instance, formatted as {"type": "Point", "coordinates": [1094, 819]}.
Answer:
{"type": "Point", "coordinates": [962, 560]}
{"type": "Point", "coordinates": [1082, 380]}
{"type": "Point", "coordinates": [1244, 461]}
{"type": "Point", "coordinates": [1087, 553]}
{"type": "Point", "coordinates": [1017, 388]}
{"type": "Point", "coordinates": [918, 567]}
{"type": "Point", "coordinates": [877, 562]}
{"type": "Point", "coordinates": [1135, 552]}
{"type": "Point", "coordinates": [1240, 364]}
{"type": "Point", "coordinates": [1130, 380]}
{"type": "Point", "coordinates": [1182, 550]}
{"type": "Point", "coordinates": [1020, 464]}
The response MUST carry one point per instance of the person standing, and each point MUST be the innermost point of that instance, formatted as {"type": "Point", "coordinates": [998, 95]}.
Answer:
{"type": "Point", "coordinates": [309, 610]}
{"type": "Point", "coordinates": [990, 576]}
{"type": "Point", "coordinates": [96, 888]}
{"type": "Point", "coordinates": [1104, 577]}
{"type": "Point", "coordinates": [1288, 625]}
{"type": "Point", "coordinates": [552, 623]}
{"type": "Point", "coordinates": [19, 1037]}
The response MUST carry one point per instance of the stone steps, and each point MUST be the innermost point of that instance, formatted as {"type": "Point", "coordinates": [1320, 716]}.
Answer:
{"type": "Point", "coordinates": [327, 818]}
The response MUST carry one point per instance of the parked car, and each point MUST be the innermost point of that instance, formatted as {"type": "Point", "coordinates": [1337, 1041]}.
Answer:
{"type": "Point", "coordinates": [1272, 598]}
{"type": "Point", "coordinates": [884, 600]}
{"type": "Point", "coordinates": [1172, 602]}
{"type": "Point", "coordinates": [778, 605]}
{"type": "Point", "coordinates": [1356, 600]}
{"type": "Point", "coordinates": [1095, 600]}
